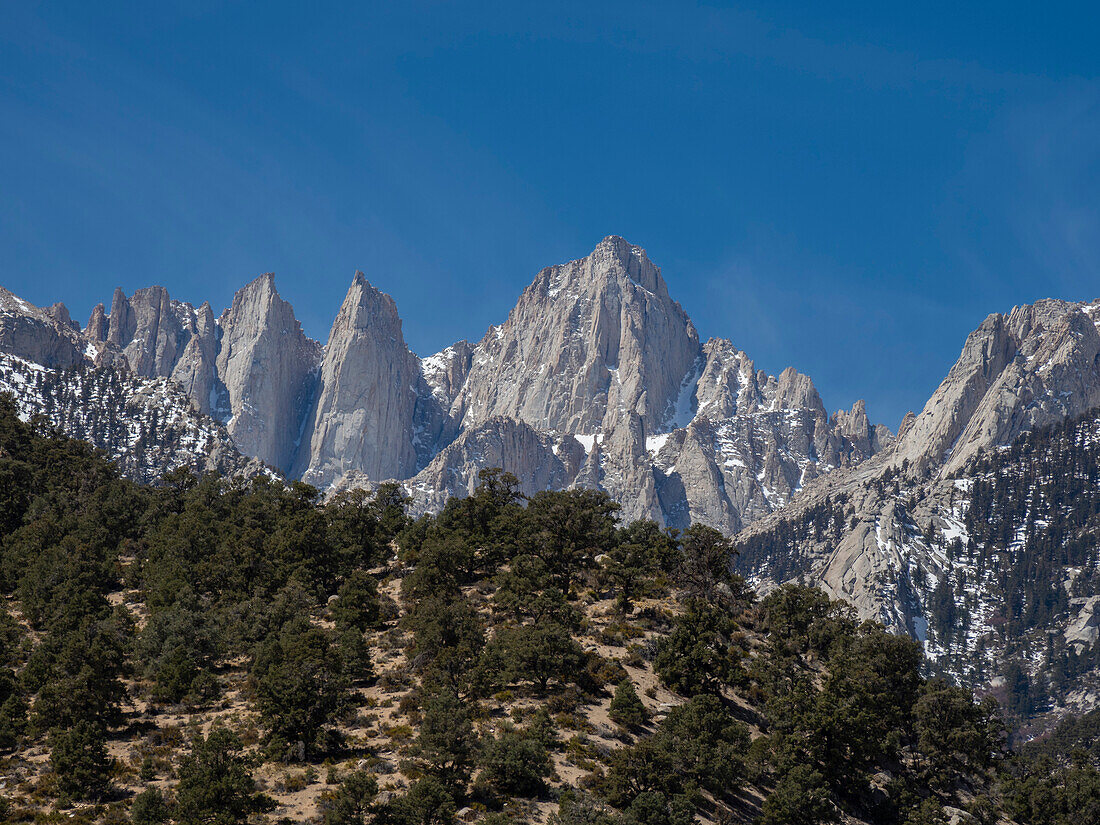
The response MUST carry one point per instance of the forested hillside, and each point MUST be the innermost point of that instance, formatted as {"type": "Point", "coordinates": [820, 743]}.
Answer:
{"type": "Point", "coordinates": [212, 650]}
{"type": "Point", "coordinates": [997, 566]}
{"type": "Point", "coordinates": [1032, 529]}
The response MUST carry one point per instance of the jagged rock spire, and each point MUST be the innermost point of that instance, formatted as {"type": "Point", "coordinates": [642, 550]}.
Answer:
{"type": "Point", "coordinates": [266, 365]}
{"type": "Point", "coordinates": [362, 419]}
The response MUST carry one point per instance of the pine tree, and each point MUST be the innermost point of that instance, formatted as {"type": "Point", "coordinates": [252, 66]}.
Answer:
{"type": "Point", "coordinates": [215, 786]}
{"type": "Point", "coordinates": [446, 746]}
{"type": "Point", "coordinates": [79, 758]}
{"type": "Point", "coordinates": [626, 708]}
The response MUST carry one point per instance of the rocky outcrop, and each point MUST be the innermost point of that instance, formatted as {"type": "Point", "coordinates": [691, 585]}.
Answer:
{"type": "Point", "coordinates": [151, 335]}
{"type": "Point", "coordinates": [252, 369]}
{"type": "Point", "coordinates": [33, 334]}
{"type": "Point", "coordinates": [98, 325]}
{"type": "Point", "coordinates": [866, 439]}
{"type": "Point", "coordinates": [729, 472]}
{"type": "Point", "coordinates": [1034, 366]}
{"type": "Point", "coordinates": [195, 369]}
{"type": "Point", "coordinates": [621, 464]}
{"type": "Point", "coordinates": [728, 383]}
{"type": "Point", "coordinates": [267, 367]}
{"type": "Point", "coordinates": [751, 442]}
{"type": "Point", "coordinates": [588, 342]}
{"type": "Point", "coordinates": [442, 377]}
{"type": "Point", "coordinates": [445, 372]}
{"type": "Point", "coordinates": [59, 314]}
{"type": "Point", "coordinates": [539, 460]}
{"type": "Point", "coordinates": [149, 330]}
{"type": "Point", "coordinates": [691, 483]}
{"type": "Point", "coordinates": [363, 417]}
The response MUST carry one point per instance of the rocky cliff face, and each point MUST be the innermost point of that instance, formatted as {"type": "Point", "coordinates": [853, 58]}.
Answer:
{"type": "Point", "coordinates": [442, 377]}
{"type": "Point", "coordinates": [150, 330]}
{"type": "Point", "coordinates": [1036, 365]}
{"type": "Point", "coordinates": [866, 439]}
{"type": "Point", "coordinates": [754, 441]}
{"type": "Point", "coordinates": [31, 333]}
{"type": "Point", "coordinates": [267, 367]}
{"type": "Point", "coordinates": [195, 369]}
{"type": "Point", "coordinates": [362, 420]}
{"type": "Point", "coordinates": [252, 369]}
{"type": "Point", "coordinates": [588, 343]}
{"type": "Point", "coordinates": [540, 460]}
{"type": "Point", "coordinates": [150, 335]}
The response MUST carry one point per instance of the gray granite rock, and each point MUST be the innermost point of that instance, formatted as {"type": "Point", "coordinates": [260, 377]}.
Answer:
{"type": "Point", "coordinates": [362, 419]}
{"type": "Point", "coordinates": [268, 368]}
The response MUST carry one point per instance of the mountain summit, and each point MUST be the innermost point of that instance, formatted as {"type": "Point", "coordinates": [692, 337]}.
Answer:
{"type": "Point", "coordinates": [362, 416]}
{"type": "Point", "coordinates": [587, 343]}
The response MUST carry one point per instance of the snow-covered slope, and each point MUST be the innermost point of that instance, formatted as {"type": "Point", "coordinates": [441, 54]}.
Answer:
{"type": "Point", "coordinates": [147, 426]}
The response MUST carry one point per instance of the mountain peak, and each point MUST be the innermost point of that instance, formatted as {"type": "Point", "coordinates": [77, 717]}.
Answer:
{"type": "Point", "coordinates": [620, 246]}
{"type": "Point", "coordinates": [266, 364]}
{"type": "Point", "coordinates": [60, 313]}
{"type": "Point", "coordinates": [588, 342]}
{"type": "Point", "coordinates": [261, 286]}
{"type": "Point", "coordinates": [1034, 366]}
{"type": "Point", "coordinates": [796, 390]}
{"type": "Point", "coordinates": [96, 328]}
{"type": "Point", "coordinates": [362, 416]}
{"type": "Point", "coordinates": [362, 303]}
{"type": "Point", "coordinates": [12, 303]}
{"type": "Point", "coordinates": [37, 334]}
{"type": "Point", "coordinates": [615, 255]}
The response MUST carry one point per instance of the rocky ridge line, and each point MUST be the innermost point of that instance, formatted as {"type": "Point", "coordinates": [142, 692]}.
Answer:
{"type": "Point", "coordinates": [596, 379]}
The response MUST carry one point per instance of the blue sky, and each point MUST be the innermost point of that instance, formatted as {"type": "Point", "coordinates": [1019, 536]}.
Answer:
{"type": "Point", "coordinates": [848, 188]}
